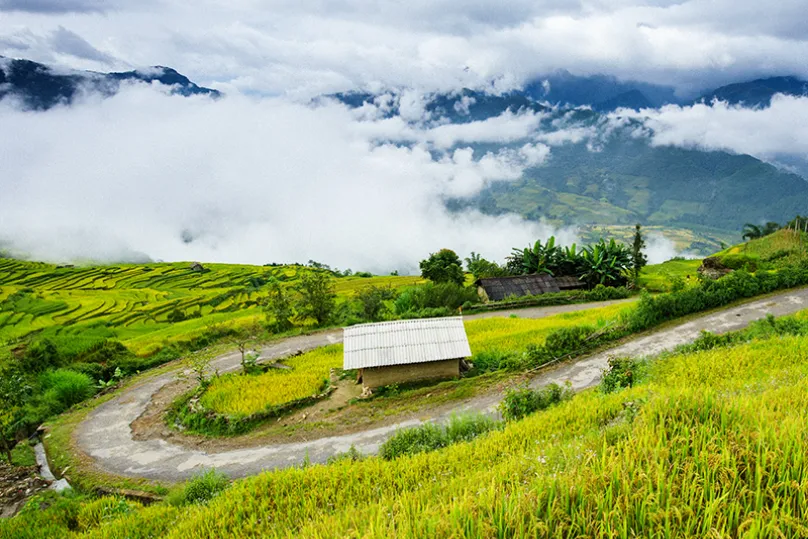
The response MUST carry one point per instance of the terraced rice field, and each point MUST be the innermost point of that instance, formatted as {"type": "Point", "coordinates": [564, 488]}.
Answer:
{"type": "Point", "coordinates": [132, 302]}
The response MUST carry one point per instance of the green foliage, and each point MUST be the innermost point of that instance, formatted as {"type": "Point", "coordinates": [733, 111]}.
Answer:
{"type": "Point", "coordinates": [372, 300]}
{"type": "Point", "coordinates": [638, 258]}
{"type": "Point", "coordinates": [200, 489]}
{"type": "Point", "coordinates": [750, 263]}
{"type": "Point", "coordinates": [102, 510]}
{"type": "Point", "coordinates": [620, 374]}
{"type": "Point", "coordinates": [753, 232]}
{"type": "Point", "coordinates": [317, 297]}
{"type": "Point", "coordinates": [523, 401]}
{"type": "Point", "coordinates": [48, 514]}
{"type": "Point", "coordinates": [278, 307]}
{"type": "Point", "coordinates": [63, 388]}
{"type": "Point", "coordinates": [443, 267]}
{"type": "Point", "coordinates": [444, 296]}
{"type": "Point", "coordinates": [482, 268]}
{"type": "Point", "coordinates": [40, 356]}
{"type": "Point", "coordinates": [605, 263]}
{"type": "Point", "coordinates": [430, 437]}
{"type": "Point", "coordinates": [535, 259]}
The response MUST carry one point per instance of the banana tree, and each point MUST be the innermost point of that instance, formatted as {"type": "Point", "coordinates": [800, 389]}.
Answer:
{"type": "Point", "coordinates": [537, 259]}
{"type": "Point", "coordinates": [605, 263]}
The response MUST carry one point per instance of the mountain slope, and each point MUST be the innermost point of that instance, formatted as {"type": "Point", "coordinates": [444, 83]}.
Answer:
{"type": "Point", "coordinates": [757, 93]}
{"type": "Point", "coordinates": [40, 87]}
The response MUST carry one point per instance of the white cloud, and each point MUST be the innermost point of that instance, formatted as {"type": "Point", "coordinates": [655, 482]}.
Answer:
{"type": "Point", "coordinates": [781, 128]}
{"type": "Point", "coordinates": [250, 180]}
{"type": "Point", "coordinates": [308, 48]}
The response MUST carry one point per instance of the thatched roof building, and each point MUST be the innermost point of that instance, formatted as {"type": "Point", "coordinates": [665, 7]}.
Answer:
{"type": "Point", "coordinates": [500, 288]}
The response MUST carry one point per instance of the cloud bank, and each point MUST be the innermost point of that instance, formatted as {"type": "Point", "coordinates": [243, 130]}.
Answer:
{"type": "Point", "coordinates": [243, 180]}
{"type": "Point", "coordinates": [273, 47]}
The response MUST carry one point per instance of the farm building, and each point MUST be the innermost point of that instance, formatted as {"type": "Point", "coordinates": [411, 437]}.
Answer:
{"type": "Point", "coordinates": [499, 288]}
{"type": "Point", "coordinates": [404, 351]}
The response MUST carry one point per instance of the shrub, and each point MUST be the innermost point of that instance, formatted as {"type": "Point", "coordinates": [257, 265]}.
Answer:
{"type": "Point", "coordinates": [429, 437]}
{"type": "Point", "coordinates": [40, 356]}
{"type": "Point", "coordinates": [620, 374]}
{"type": "Point", "coordinates": [426, 437]}
{"type": "Point", "coordinates": [66, 388]}
{"type": "Point", "coordinates": [522, 401]}
{"type": "Point", "coordinates": [200, 489]}
{"type": "Point", "coordinates": [741, 261]}
{"type": "Point", "coordinates": [564, 341]}
{"type": "Point", "coordinates": [448, 296]}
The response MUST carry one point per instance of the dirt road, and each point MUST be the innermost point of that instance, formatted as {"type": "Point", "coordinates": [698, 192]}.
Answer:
{"type": "Point", "coordinates": [106, 435]}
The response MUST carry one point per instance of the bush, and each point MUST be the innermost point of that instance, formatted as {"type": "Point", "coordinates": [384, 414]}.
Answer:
{"type": "Point", "coordinates": [40, 356]}
{"type": "Point", "coordinates": [103, 509]}
{"type": "Point", "coordinates": [621, 374]}
{"type": "Point", "coordinates": [65, 388]}
{"type": "Point", "coordinates": [564, 341]}
{"type": "Point", "coordinates": [447, 296]}
{"type": "Point", "coordinates": [429, 437]}
{"type": "Point", "coordinates": [522, 401]}
{"type": "Point", "coordinates": [741, 261]}
{"type": "Point", "coordinates": [200, 489]}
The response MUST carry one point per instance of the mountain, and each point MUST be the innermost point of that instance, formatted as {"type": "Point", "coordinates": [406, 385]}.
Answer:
{"type": "Point", "coordinates": [40, 87]}
{"type": "Point", "coordinates": [757, 93]}
{"type": "Point", "coordinates": [601, 92]}
{"type": "Point", "coordinates": [628, 181]}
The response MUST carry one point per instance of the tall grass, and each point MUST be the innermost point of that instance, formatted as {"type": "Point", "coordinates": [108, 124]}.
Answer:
{"type": "Point", "coordinates": [710, 444]}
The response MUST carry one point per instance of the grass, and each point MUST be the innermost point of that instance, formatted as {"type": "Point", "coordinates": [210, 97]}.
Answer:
{"type": "Point", "coordinates": [658, 277]}
{"type": "Point", "coordinates": [711, 444]}
{"type": "Point", "coordinates": [238, 395]}
{"type": "Point", "coordinates": [21, 455]}
{"type": "Point", "coordinates": [780, 249]}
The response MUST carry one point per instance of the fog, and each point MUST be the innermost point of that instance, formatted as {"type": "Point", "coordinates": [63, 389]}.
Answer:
{"type": "Point", "coordinates": [145, 174]}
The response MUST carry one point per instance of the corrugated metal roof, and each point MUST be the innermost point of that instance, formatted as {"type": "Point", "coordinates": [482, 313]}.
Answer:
{"type": "Point", "coordinates": [405, 341]}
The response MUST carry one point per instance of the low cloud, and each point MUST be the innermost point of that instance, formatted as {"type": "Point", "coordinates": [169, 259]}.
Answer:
{"type": "Point", "coordinates": [55, 6]}
{"type": "Point", "coordinates": [765, 133]}
{"type": "Point", "coordinates": [66, 42]}
{"type": "Point", "coordinates": [242, 180]}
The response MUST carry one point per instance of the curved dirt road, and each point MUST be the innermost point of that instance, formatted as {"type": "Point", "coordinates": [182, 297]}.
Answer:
{"type": "Point", "coordinates": [106, 435]}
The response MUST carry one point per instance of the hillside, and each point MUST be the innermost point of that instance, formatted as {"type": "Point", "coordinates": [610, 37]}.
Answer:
{"type": "Point", "coordinates": [710, 193]}
{"type": "Point", "coordinates": [40, 87]}
{"type": "Point", "coordinates": [703, 442]}
{"type": "Point", "coordinates": [82, 306]}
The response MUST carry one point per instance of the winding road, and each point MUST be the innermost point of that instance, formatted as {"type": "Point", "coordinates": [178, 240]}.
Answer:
{"type": "Point", "coordinates": [106, 435]}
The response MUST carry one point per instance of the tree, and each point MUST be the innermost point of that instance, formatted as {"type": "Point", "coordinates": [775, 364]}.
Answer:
{"type": "Point", "coordinates": [244, 339]}
{"type": "Point", "coordinates": [278, 308]}
{"type": "Point", "coordinates": [638, 258]}
{"type": "Point", "coordinates": [536, 259]}
{"type": "Point", "coordinates": [605, 263]}
{"type": "Point", "coordinates": [443, 267]}
{"type": "Point", "coordinates": [751, 232]}
{"type": "Point", "coordinates": [317, 297]}
{"type": "Point", "coordinates": [482, 268]}
{"type": "Point", "coordinates": [14, 392]}
{"type": "Point", "coordinates": [372, 301]}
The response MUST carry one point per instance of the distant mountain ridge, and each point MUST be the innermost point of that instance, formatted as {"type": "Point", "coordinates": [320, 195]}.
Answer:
{"type": "Point", "coordinates": [40, 87]}
{"type": "Point", "coordinates": [758, 92]}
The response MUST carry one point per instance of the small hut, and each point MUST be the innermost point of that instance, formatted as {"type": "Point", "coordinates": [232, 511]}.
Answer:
{"type": "Point", "coordinates": [404, 351]}
{"type": "Point", "coordinates": [500, 288]}
{"type": "Point", "coordinates": [196, 266]}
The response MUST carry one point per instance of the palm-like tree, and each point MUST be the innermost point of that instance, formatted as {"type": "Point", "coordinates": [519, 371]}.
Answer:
{"type": "Point", "coordinates": [751, 232]}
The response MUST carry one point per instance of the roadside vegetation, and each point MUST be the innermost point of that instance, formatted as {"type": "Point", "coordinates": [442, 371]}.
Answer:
{"type": "Point", "coordinates": [729, 421]}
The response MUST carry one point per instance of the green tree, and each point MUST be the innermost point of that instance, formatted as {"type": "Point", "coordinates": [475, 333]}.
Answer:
{"type": "Point", "coordinates": [15, 390]}
{"type": "Point", "coordinates": [638, 258]}
{"type": "Point", "coordinates": [443, 267]}
{"type": "Point", "coordinates": [372, 301]}
{"type": "Point", "coordinates": [317, 297]}
{"type": "Point", "coordinates": [538, 258]}
{"type": "Point", "coordinates": [481, 268]}
{"type": "Point", "coordinates": [278, 308]}
{"type": "Point", "coordinates": [753, 232]}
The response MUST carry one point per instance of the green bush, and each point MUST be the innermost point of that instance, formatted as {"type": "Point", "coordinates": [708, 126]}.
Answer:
{"type": "Point", "coordinates": [103, 509]}
{"type": "Point", "coordinates": [564, 341]}
{"type": "Point", "coordinates": [429, 437]}
{"type": "Point", "coordinates": [40, 356]}
{"type": "Point", "coordinates": [447, 296]}
{"type": "Point", "coordinates": [621, 374]}
{"type": "Point", "coordinates": [741, 261]}
{"type": "Point", "coordinates": [522, 401]}
{"type": "Point", "coordinates": [63, 388]}
{"type": "Point", "coordinates": [200, 489]}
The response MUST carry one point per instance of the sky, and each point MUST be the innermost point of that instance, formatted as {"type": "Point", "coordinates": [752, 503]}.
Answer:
{"type": "Point", "coordinates": [308, 47]}
{"type": "Point", "coordinates": [265, 176]}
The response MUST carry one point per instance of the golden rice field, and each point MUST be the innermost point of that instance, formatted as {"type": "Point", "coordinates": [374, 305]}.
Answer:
{"type": "Point", "coordinates": [712, 444]}
{"type": "Point", "coordinates": [506, 334]}
{"type": "Point", "coordinates": [236, 395]}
